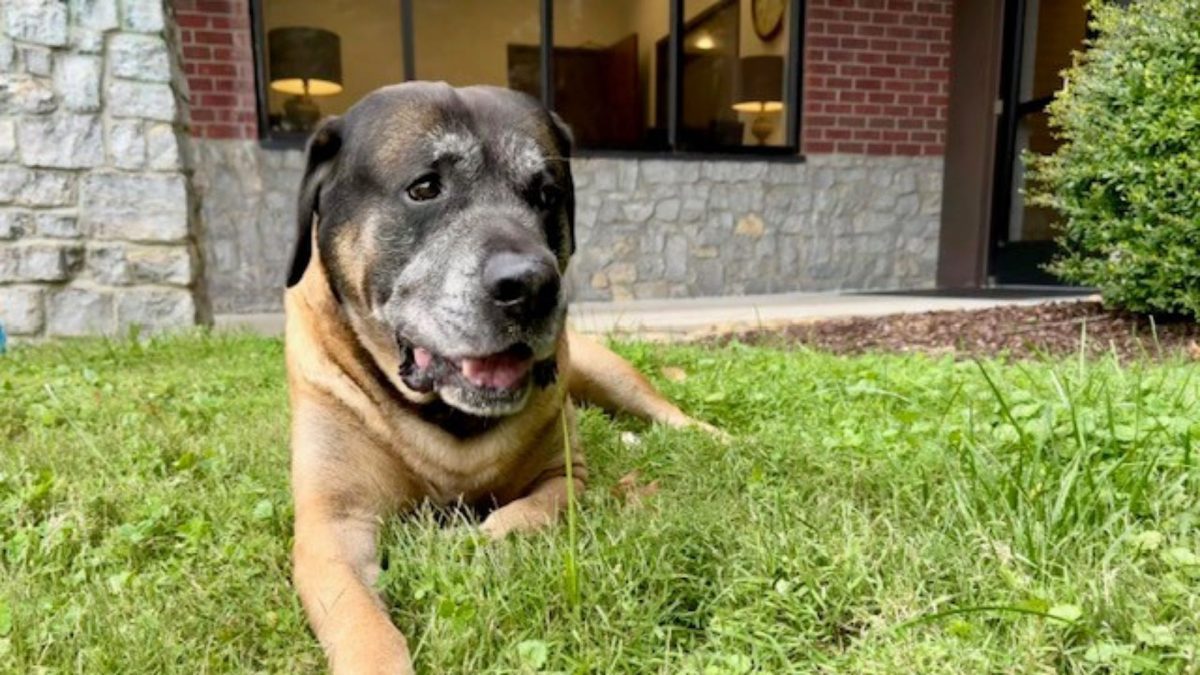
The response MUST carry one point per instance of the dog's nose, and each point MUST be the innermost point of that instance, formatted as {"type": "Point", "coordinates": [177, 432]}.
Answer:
{"type": "Point", "coordinates": [524, 285]}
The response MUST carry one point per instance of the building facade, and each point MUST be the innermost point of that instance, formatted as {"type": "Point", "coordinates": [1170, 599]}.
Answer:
{"type": "Point", "coordinates": [150, 151]}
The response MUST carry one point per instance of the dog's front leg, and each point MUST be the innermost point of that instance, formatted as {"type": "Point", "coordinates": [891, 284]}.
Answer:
{"type": "Point", "coordinates": [547, 496]}
{"type": "Point", "coordinates": [335, 569]}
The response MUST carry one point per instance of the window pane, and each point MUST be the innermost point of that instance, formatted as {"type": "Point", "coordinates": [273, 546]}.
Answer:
{"type": "Point", "coordinates": [605, 66]}
{"type": "Point", "coordinates": [733, 70]}
{"type": "Point", "coordinates": [466, 42]}
{"type": "Point", "coordinates": [336, 50]}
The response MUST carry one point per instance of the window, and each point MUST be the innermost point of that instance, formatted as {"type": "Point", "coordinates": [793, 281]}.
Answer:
{"type": "Point", "coordinates": [659, 76]}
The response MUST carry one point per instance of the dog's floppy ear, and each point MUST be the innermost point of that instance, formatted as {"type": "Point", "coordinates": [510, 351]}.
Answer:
{"type": "Point", "coordinates": [322, 149]}
{"type": "Point", "coordinates": [566, 140]}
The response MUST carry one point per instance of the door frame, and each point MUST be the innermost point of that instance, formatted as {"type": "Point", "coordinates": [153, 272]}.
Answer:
{"type": "Point", "coordinates": [977, 48]}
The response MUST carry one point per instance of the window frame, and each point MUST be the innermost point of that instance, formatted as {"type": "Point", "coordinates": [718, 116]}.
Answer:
{"type": "Point", "coordinates": [793, 93]}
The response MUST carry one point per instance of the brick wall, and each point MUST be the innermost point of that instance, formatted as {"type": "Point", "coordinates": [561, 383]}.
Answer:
{"type": "Point", "coordinates": [877, 76]}
{"type": "Point", "coordinates": [219, 63]}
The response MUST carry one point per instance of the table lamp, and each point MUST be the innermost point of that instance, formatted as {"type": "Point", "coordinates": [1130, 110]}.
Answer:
{"type": "Point", "coordinates": [305, 62]}
{"type": "Point", "coordinates": [760, 90]}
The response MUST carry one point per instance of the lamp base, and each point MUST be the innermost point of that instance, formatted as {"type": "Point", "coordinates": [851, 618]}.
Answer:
{"type": "Point", "coordinates": [301, 113]}
{"type": "Point", "coordinates": [762, 127]}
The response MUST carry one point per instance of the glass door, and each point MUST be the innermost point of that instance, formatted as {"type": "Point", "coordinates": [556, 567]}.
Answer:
{"type": "Point", "coordinates": [1040, 38]}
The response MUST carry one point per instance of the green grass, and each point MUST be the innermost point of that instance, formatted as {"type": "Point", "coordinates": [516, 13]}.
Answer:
{"type": "Point", "coordinates": [876, 514]}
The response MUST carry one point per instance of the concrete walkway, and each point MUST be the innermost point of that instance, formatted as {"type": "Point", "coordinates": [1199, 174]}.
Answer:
{"type": "Point", "coordinates": [676, 319]}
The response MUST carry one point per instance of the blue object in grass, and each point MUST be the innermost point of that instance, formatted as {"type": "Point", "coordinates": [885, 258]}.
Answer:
{"type": "Point", "coordinates": [3, 339]}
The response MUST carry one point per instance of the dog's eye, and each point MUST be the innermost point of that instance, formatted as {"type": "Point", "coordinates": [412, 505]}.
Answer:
{"type": "Point", "coordinates": [549, 196]}
{"type": "Point", "coordinates": [425, 188]}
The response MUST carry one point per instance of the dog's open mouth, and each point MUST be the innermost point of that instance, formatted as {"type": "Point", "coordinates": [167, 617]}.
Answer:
{"type": "Point", "coordinates": [492, 384]}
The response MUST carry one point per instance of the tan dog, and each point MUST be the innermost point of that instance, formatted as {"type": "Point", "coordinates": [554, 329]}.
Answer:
{"type": "Point", "coordinates": [427, 353]}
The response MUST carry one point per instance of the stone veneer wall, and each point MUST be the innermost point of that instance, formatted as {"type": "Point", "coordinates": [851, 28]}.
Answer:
{"type": "Point", "coordinates": [97, 227]}
{"type": "Point", "coordinates": [647, 228]}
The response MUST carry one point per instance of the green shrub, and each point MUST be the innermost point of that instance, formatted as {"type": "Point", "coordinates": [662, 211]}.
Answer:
{"type": "Point", "coordinates": [1127, 176]}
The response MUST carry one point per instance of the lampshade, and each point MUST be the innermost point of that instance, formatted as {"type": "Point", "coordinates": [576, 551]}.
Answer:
{"type": "Point", "coordinates": [299, 55]}
{"type": "Point", "coordinates": [760, 84]}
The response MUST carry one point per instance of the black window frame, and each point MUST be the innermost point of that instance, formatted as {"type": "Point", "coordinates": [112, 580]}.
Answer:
{"type": "Point", "coordinates": [793, 89]}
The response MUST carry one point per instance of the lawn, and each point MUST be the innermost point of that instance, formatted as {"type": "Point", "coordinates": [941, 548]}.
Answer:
{"type": "Point", "coordinates": [874, 514]}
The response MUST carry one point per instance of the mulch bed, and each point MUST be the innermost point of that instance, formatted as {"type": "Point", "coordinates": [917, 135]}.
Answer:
{"type": "Point", "coordinates": [1019, 331]}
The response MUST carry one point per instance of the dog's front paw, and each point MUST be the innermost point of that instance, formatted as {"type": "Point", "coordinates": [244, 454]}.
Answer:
{"type": "Point", "coordinates": [515, 517]}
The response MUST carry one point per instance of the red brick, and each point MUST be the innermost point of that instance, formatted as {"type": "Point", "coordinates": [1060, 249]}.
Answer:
{"type": "Point", "coordinates": [837, 28]}
{"type": "Point", "coordinates": [906, 149]}
{"type": "Point", "coordinates": [197, 52]}
{"type": "Point", "coordinates": [215, 6]}
{"type": "Point", "coordinates": [852, 122]}
{"type": "Point", "coordinates": [850, 148]}
{"type": "Point", "coordinates": [883, 123]}
{"type": "Point", "coordinates": [818, 148]}
{"type": "Point", "coordinates": [883, 71]}
{"type": "Point", "coordinates": [855, 42]}
{"type": "Point", "coordinates": [189, 20]}
{"type": "Point", "coordinates": [879, 149]}
{"type": "Point", "coordinates": [900, 32]}
{"type": "Point", "coordinates": [224, 69]}
{"type": "Point", "coordinates": [895, 136]}
{"type": "Point", "coordinates": [212, 37]}
{"type": "Point", "coordinates": [867, 135]}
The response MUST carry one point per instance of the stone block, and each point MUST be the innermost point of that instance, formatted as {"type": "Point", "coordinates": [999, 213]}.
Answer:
{"type": "Point", "coordinates": [38, 262]}
{"type": "Point", "coordinates": [637, 212]}
{"type": "Point", "coordinates": [42, 22]}
{"type": "Point", "coordinates": [8, 140]}
{"type": "Point", "coordinates": [77, 311]}
{"type": "Point", "coordinates": [15, 224]}
{"type": "Point", "coordinates": [38, 61]}
{"type": "Point", "coordinates": [155, 309]}
{"type": "Point", "coordinates": [147, 100]}
{"type": "Point", "coordinates": [162, 148]}
{"type": "Point", "coordinates": [28, 187]}
{"type": "Point", "coordinates": [20, 93]}
{"type": "Point", "coordinates": [675, 255]}
{"type": "Point", "coordinates": [143, 16]}
{"type": "Point", "coordinates": [135, 207]}
{"type": "Point", "coordinates": [99, 15]}
{"type": "Point", "coordinates": [21, 309]}
{"type": "Point", "coordinates": [669, 171]}
{"type": "Point", "coordinates": [139, 57]}
{"type": "Point", "coordinates": [54, 225]}
{"type": "Point", "coordinates": [8, 55]}
{"type": "Point", "coordinates": [126, 144]}
{"type": "Point", "coordinates": [77, 80]}
{"type": "Point", "coordinates": [119, 264]}
{"type": "Point", "coordinates": [64, 141]}
{"type": "Point", "coordinates": [667, 210]}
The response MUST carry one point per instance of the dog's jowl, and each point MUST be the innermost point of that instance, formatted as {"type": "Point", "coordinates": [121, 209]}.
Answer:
{"type": "Point", "coordinates": [427, 351]}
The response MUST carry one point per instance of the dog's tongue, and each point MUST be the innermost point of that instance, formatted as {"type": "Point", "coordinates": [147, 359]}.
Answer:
{"type": "Point", "coordinates": [500, 371]}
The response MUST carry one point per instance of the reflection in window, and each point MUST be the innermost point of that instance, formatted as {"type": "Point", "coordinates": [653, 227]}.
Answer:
{"type": "Point", "coordinates": [604, 62]}
{"type": "Point", "coordinates": [323, 55]}
{"type": "Point", "coordinates": [733, 72]}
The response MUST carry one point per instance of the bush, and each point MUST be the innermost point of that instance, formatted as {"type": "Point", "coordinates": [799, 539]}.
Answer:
{"type": "Point", "coordinates": [1127, 176]}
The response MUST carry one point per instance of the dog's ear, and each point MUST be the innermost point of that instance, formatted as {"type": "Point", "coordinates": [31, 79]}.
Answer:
{"type": "Point", "coordinates": [566, 140]}
{"type": "Point", "coordinates": [322, 149]}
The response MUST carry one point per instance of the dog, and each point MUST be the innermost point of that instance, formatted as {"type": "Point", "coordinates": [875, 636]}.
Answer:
{"type": "Point", "coordinates": [428, 357]}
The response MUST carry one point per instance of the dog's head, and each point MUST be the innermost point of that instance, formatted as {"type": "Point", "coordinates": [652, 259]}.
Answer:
{"type": "Point", "coordinates": [445, 221]}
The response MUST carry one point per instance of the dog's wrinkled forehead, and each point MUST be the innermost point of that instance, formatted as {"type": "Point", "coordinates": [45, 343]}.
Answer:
{"type": "Point", "coordinates": [472, 129]}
